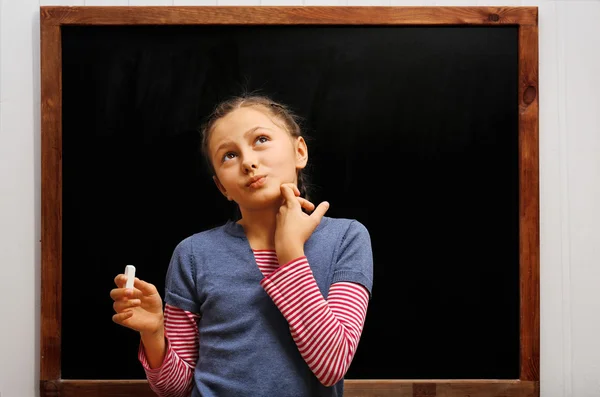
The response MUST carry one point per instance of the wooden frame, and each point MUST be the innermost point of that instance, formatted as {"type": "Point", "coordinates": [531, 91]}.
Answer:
{"type": "Point", "coordinates": [52, 20]}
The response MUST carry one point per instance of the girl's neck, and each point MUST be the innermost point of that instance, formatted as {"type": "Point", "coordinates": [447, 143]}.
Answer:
{"type": "Point", "coordinates": [259, 228]}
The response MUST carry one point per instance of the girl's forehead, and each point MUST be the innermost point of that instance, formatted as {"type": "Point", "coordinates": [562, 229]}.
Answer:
{"type": "Point", "coordinates": [244, 116]}
{"type": "Point", "coordinates": [239, 121]}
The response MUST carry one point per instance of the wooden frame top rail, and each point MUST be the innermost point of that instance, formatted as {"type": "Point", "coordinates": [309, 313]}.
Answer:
{"type": "Point", "coordinates": [296, 15]}
{"type": "Point", "coordinates": [52, 18]}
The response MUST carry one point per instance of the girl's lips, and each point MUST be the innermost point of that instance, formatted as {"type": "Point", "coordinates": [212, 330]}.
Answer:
{"type": "Point", "coordinates": [258, 183]}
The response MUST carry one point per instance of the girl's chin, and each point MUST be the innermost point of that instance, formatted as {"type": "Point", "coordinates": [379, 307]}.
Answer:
{"type": "Point", "coordinates": [263, 201]}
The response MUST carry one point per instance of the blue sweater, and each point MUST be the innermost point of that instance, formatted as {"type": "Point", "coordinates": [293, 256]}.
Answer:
{"type": "Point", "coordinates": [245, 346]}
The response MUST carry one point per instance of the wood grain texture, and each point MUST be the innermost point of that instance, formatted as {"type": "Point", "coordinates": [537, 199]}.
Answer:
{"type": "Point", "coordinates": [117, 388]}
{"type": "Point", "coordinates": [51, 201]}
{"type": "Point", "coordinates": [297, 15]}
{"type": "Point", "coordinates": [440, 388]}
{"type": "Point", "coordinates": [49, 388]}
{"type": "Point", "coordinates": [529, 205]}
{"type": "Point", "coordinates": [353, 388]}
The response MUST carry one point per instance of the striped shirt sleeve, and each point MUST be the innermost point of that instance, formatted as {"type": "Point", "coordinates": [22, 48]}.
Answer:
{"type": "Point", "coordinates": [326, 332]}
{"type": "Point", "coordinates": [174, 377]}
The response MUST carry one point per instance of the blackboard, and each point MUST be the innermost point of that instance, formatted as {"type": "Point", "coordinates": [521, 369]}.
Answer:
{"type": "Point", "coordinates": [415, 130]}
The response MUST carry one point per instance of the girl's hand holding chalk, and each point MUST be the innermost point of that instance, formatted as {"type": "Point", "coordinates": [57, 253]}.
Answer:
{"type": "Point", "coordinates": [137, 304]}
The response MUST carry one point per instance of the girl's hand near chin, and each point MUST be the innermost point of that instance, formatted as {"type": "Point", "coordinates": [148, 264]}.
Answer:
{"type": "Point", "coordinates": [294, 226]}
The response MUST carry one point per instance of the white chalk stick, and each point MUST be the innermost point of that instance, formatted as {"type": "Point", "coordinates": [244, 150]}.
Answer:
{"type": "Point", "coordinates": [130, 273]}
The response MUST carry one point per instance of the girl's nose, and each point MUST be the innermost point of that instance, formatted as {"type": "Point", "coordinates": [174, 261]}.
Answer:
{"type": "Point", "coordinates": [249, 165]}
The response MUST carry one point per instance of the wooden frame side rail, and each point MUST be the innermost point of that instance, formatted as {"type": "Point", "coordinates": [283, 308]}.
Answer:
{"type": "Point", "coordinates": [53, 18]}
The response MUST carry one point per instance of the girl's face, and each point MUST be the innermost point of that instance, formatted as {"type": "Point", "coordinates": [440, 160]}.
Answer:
{"type": "Point", "coordinates": [252, 156]}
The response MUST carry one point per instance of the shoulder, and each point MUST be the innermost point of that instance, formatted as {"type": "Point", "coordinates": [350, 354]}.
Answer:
{"type": "Point", "coordinates": [206, 239]}
{"type": "Point", "coordinates": [190, 252]}
{"type": "Point", "coordinates": [352, 255]}
{"type": "Point", "coordinates": [342, 227]}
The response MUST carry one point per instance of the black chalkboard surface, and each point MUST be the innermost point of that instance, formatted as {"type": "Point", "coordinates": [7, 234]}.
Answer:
{"type": "Point", "coordinates": [413, 131]}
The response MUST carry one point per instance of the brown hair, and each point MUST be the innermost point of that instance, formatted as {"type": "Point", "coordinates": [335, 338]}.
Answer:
{"type": "Point", "coordinates": [291, 123]}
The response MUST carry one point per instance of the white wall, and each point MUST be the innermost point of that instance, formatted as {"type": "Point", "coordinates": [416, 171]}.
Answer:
{"type": "Point", "coordinates": [569, 186]}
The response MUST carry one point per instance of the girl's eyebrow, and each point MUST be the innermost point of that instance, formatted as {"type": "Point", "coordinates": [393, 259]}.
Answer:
{"type": "Point", "coordinates": [223, 145]}
{"type": "Point", "coordinates": [250, 131]}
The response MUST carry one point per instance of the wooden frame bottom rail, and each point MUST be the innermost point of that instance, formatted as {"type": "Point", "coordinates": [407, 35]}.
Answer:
{"type": "Point", "coordinates": [353, 388]}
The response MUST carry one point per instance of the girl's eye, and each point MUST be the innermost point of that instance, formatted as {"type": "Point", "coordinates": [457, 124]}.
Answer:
{"type": "Point", "coordinates": [228, 156]}
{"type": "Point", "coordinates": [262, 139]}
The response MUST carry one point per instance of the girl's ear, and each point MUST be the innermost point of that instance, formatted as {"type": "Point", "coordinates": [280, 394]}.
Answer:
{"type": "Point", "coordinates": [301, 153]}
{"type": "Point", "coordinates": [221, 187]}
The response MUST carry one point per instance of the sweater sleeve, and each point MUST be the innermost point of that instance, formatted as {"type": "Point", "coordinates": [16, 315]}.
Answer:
{"type": "Point", "coordinates": [174, 378]}
{"type": "Point", "coordinates": [326, 332]}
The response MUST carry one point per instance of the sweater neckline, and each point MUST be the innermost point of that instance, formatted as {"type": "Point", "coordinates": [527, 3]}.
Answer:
{"type": "Point", "coordinates": [235, 229]}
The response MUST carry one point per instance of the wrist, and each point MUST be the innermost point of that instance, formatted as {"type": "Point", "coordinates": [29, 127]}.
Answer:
{"type": "Point", "coordinates": [155, 347]}
{"type": "Point", "coordinates": [288, 255]}
{"type": "Point", "coordinates": [156, 333]}
{"type": "Point", "coordinates": [153, 335]}
{"type": "Point", "coordinates": [288, 249]}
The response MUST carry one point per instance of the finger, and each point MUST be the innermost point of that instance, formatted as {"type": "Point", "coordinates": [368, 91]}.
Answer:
{"type": "Point", "coordinates": [122, 305]}
{"type": "Point", "coordinates": [124, 293]}
{"type": "Point", "coordinates": [289, 196]}
{"type": "Point", "coordinates": [120, 280]}
{"type": "Point", "coordinates": [141, 289]}
{"type": "Point", "coordinates": [320, 211]}
{"type": "Point", "coordinates": [144, 287]}
{"type": "Point", "coordinates": [294, 188]}
{"type": "Point", "coordinates": [119, 293]}
{"type": "Point", "coordinates": [307, 205]}
{"type": "Point", "coordinates": [119, 318]}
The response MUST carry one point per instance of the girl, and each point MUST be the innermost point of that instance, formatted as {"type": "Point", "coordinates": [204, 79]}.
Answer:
{"type": "Point", "coordinates": [270, 305]}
